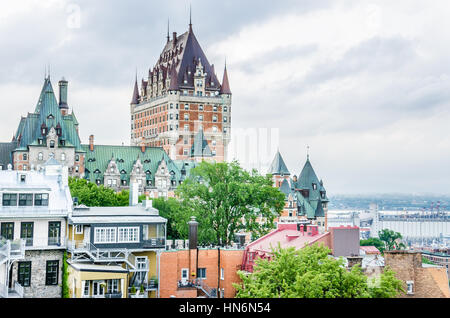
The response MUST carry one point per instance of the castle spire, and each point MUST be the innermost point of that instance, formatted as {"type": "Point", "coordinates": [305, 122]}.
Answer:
{"type": "Point", "coordinates": [168, 36]}
{"type": "Point", "coordinates": [190, 18]}
{"type": "Point", "coordinates": [225, 89]}
{"type": "Point", "coordinates": [135, 99]}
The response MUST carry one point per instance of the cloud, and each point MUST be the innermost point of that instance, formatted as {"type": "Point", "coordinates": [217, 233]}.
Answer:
{"type": "Point", "coordinates": [365, 85]}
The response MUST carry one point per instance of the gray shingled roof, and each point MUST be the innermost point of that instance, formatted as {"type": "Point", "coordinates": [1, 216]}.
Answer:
{"type": "Point", "coordinates": [6, 149]}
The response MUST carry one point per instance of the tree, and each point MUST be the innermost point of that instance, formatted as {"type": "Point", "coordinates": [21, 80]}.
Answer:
{"type": "Point", "coordinates": [379, 244]}
{"type": "Point", "coordinates": [225, 199]}
{"type": "Point", "coordinates": [391, 239]}
{"type": "Point", "coordinates": [171, 209]}
{"type": "Point", "coordinates": [311, 273]}
{"type": "Point", "coordinates": [92, 195]}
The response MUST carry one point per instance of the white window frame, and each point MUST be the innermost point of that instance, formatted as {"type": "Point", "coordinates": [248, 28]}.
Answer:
{"type": "Point", "coordinates": [222, 274]}
{"type": "Point", "coordinates": [105, 235]}
{"type": "Point", "coordinates": [128, 234]}
{"type": "Point", "coordinates": [78, 228]}
{"type": "Point", "coordinates": [410, 287]}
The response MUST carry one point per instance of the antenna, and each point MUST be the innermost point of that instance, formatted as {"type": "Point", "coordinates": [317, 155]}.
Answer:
{"type": "Point", "coordinates": [168, 24]}
{"type": "Point", "coordinates": [190, 17]}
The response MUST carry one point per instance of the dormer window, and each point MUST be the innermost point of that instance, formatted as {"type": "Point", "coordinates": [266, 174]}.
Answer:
{"type": "Point", "coordinates": [52, 144]}
{"type": "Point", "coordinates": [63, 142]}
{"type": "Point", "coordinates": [23, 178]}
{"type": "Point", "coordinates": [77, 158]}
{"type": "Point", "coordinates": [63, 157]}
{"type": "Point", "coordinates": [314, 186]}
{"type": "Point", "coordinates": [44, 131]}
{"type": "Point", "coordinates": [39, 141]}
{"type": "Point", "coordinates": [50, 116]}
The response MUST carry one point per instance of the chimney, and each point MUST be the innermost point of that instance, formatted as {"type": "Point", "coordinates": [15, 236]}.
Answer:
{"type": "Point", "coordinates": [91, 142]}
{"type": "Point", "coordinates": [134, 194]}
{"type": "Point", "coordinates": [63, 96]}
{"type": "Point", "coordinates": [174, 39]}
{"type": "Point", "coordinates": [193, 227]}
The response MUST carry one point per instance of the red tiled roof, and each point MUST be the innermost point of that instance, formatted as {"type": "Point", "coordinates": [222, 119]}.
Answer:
{"type": "Point", "coordinates": [370, 249]}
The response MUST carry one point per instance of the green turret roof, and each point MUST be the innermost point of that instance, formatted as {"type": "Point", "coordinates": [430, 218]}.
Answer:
{"type": "Point", "coordinates": [200, 147]}
{"type": "Point", "coordinates": [278, 167]}
{"type": "Point", "coordinates": [47, 113]}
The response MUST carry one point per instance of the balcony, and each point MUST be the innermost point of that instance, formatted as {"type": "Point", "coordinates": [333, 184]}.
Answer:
{"type": "Point", "coordinates": [12, 250]}
{"type": "Point", "coordinates": [113, 295]}
{"type": "Point", "coordinates": [154, 243]}
{"type": "Point", "coordinates": [35, 243]}
{"type": "Point", "coordinates": [16, 292]}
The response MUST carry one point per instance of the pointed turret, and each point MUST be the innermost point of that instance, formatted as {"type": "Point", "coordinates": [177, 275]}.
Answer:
{"type": "Point", "coordinates": [278, 167]}
{"type": "Point", "coordinates": [225, 89]}
{"type": "Point", "coordinates": [135, 99]}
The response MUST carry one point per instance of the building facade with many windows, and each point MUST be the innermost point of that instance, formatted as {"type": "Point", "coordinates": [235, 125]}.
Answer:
{"type": "Point", "coordinates": [181, 106]}
{"type": "Point", "coordinates": [33, 208]}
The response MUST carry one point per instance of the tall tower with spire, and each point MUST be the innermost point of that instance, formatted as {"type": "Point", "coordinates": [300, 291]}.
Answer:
{"type": "Point", "coordinates": [181, 105]}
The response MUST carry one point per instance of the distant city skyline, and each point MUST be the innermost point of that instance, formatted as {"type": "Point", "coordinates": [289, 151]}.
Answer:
{"type": "Point", "coordinates": [365, 85]}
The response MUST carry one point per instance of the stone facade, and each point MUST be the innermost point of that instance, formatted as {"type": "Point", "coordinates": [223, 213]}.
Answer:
{"type": "Point", "coordinates": [38, 287]}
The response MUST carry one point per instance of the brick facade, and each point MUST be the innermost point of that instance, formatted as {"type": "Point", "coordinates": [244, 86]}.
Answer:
{"type": "Point", "coordinates": [172, 263]}
{"type": "Point", "coordinates": [428, 282]}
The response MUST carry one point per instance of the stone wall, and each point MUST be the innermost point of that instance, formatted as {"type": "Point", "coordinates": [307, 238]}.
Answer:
{"type": "Point", "coordinates": [38, 288]}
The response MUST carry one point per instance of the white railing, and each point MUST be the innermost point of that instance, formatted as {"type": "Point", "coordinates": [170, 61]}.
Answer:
{"type": "Point", "coordinates": [45, 242]}
{"type": "Point", "coordinates": [3, 291]}
{"type": "Point", "coordinates": [17, 249]}
{"type": "Point", "coordinates": [19, 289]}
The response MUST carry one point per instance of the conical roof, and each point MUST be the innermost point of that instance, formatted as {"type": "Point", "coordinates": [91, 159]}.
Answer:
{"type": "Point", "coordinates": [200, 147]}
{"type": "Point", "coordinates": [135, 99]}
{"type": "Point", "coordinates": [308, 177]}
{"type": "Point", "coordinates": [278, 167]}
{"type": "Point", "coordinates": [225, 89]}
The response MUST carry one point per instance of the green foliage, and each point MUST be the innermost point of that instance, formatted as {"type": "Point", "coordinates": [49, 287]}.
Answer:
{"type": "Point", "coordinates": [133, 290]}
{"type": "Point", "coordinates": [386, 285]}
{"type": "Point", "coordinates": [391, 239]}
{"type": "Point", "coordinates": [311, 273]}
{"type": "Point", "coordinates": [225, 198]}
{"type": "Point", "coordinates": [91, 195]}
{"type": "Point", "coordinates": [172, 210]}
{"type": "Point", "coordinates": [427, 261]}
{"type": "Point", "coordinates": [65, 277]}
{"type": "Point", "coordinates": [379, 244]}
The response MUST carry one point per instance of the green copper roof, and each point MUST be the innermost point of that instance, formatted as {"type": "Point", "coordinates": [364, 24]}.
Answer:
{"type": "Point", "coordinates": [278, 167]}
{"type": "Point", "coordinates": [125, 158]}
{"type": "Point", "coordinates": [47, 113]}
{"type": "Point", "coordinates": [200, 147]}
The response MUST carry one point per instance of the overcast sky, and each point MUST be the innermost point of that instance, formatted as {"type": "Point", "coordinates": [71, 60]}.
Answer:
{"type": "Point", "coordinates": [364, 83]}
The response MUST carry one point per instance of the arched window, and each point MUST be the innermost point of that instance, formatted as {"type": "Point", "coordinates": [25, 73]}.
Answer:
{"type": "Point", "coordinates": [40, 156]}
{"type": "Point", "coordinates": [52, 144]}
{"type": "Point", "coordinates": [63, 157]}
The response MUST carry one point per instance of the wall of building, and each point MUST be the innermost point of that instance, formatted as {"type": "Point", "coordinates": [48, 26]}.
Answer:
{"type": "Point", "coordinates": [38, 287]}
{"type": "Point", "coordinates": [427, 280]}
{"type": "Point", "coordinates": [172, 262]}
